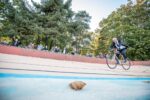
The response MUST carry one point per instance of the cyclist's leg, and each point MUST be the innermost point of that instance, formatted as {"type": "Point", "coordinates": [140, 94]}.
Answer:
{"type": "Point", "coordinates": [123, 53]}
{"type": "Point", "coordinates": [117, 60]}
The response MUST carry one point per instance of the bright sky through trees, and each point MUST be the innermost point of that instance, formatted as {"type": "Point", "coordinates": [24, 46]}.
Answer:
{"type": "Point", "coordinates": [98, 9]}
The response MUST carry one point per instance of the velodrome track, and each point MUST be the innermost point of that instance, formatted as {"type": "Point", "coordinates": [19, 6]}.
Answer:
{"type": "Point", "coordinates": [41, 66]}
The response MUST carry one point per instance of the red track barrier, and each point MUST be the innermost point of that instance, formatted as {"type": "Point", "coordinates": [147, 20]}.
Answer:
{"type": "Point", "coordinates": [45, 54]}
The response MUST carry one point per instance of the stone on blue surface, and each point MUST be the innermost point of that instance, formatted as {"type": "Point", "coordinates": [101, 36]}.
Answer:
{"type": "Point", "coordinates": [77, 85]}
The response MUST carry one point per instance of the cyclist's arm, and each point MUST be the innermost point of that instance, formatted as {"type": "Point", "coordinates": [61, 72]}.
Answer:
{"type": "Point", "coordinates": [113, 48]}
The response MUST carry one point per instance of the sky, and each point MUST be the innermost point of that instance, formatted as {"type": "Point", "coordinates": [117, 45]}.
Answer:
{"type": "Point", "coordinates": [97, 9]}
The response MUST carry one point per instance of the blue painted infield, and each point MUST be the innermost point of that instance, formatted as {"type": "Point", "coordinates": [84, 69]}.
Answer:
{"type": "Point", "coordinates": [6, 75]}
{"type": "Point", "coordinates": [52, 87]}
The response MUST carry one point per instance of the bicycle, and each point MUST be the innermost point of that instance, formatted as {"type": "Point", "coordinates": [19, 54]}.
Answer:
{"type": "Point", "coordinates": [111, 61]}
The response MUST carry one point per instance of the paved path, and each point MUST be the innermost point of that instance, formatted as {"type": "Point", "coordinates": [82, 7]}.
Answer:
{"type": "Point", "coordinates": [39, 66]}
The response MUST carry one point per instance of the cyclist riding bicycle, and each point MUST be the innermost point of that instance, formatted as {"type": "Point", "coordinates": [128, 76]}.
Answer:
{"type": "Point", "coordinates": [119, 48]}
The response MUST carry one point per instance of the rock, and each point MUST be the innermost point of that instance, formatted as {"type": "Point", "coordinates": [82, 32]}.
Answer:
{"type": "Point", "coordinates": [77, 85]}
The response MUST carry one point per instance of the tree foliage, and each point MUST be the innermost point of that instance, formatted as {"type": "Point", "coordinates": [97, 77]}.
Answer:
{"type": "Point", "coordinates": [51, 22]}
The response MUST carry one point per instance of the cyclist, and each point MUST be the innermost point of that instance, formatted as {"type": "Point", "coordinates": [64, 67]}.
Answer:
{"type": "Point", "coordinates": [119, 48]}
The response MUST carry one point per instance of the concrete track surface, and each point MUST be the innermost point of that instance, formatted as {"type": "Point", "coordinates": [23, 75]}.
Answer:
{"type": "Point", "coordinates": [32, 65]}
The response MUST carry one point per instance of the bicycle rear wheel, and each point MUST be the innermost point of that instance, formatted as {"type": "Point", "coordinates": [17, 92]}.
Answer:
{"type": "Point", "coordinates": [125, 65]}
{"type": "Point", "coordinates": [110, 60]}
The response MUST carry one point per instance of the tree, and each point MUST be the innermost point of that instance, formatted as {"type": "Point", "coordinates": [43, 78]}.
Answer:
{"type": "Point", "coordinates": [52, 19]}
{"type": "Point", "coordinates": [17, 20]}
{"type": "Point", "coordinates": [79, 27]}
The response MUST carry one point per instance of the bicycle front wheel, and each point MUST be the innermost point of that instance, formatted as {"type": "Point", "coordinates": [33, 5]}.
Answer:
{"type": "Point", "coordinates": [110, 60]}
